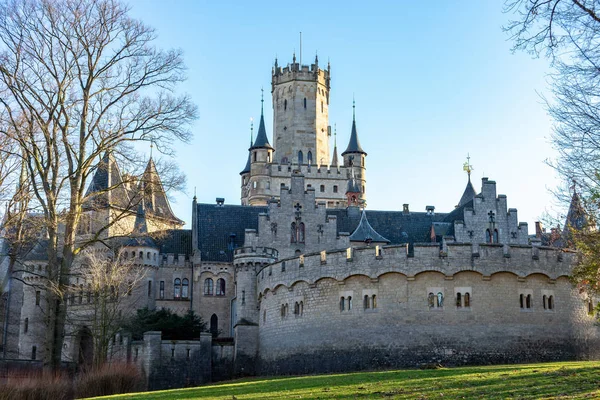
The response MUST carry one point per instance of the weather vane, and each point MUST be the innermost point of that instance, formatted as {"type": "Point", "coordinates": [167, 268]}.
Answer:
{"type": "Point", "coordinates": [467, 167]}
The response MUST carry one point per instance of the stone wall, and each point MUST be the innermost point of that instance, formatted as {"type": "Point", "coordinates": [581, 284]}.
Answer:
{"type": "Point", "coordinates": [304, 328]}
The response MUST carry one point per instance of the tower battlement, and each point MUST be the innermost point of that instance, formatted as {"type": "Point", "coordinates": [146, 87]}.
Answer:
{"type": "Point", "coordinates": [297, 72]}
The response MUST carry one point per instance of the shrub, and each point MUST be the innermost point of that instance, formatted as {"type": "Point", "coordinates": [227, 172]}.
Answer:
{"type": "Point", "coordinates": [35, 386]}
{"type": "Point", "coordinates": [110, 379]}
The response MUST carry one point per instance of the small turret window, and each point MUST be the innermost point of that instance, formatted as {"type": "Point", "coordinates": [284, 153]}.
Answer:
{"type": "Point", "coordinates": [300, 157]}
{"type": "Point", "coordinates": [309, 157]}
{"type": "Point", "coordinates": [254, 155]}
{"type": "Point", "coordinates": [305, 102]}
{"type": "Point", "coordinates": [284, 104]}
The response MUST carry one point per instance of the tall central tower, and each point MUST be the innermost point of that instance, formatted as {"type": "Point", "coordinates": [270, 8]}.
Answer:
{"type": "Point", "coordinates": [301, 113]}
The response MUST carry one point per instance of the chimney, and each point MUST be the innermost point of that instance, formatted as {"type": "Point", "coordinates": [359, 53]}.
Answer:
{"type": "Point", "coordinates": [220, 201]}
{"type": "Point", "coordinates": [405, 209]}
{"type": "Point", "coordinates": [430, 210]}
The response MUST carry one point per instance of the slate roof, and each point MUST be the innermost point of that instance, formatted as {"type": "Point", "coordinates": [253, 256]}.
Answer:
{"type": "Point", "coordinates": [38, 251]}
{"type": "Point", "coordinates": [364, 232]}
{"type": "Point", "coordinates": [217, 224]}
{"type": "Point", "coordinates": [576, 217]}
{"type": "Point", "coordinates": [174, 241]}
{"type": "Point", "coordinates": [261, 141]}
{"type": "Point", "coordinates": [139, 236]}
{"type": "Point", "coordinates": [354, 144]}
{"type": "Point", "coordinates": [468, 194]}
{"type": "Point", "coordinates": [398, 227]}
{"type": "Point", "coordinates": [155, 200]}
{"type": "Point", "coordinates": [247, 167]}
{"type": "Point", "coordinates": [107, 176]}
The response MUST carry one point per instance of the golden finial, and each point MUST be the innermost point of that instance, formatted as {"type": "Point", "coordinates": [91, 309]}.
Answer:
{"type": "Point", "coordinates": [467, 167]}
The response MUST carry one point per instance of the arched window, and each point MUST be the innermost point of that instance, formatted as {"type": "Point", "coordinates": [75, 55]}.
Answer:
{"type": "Point", "coordinates": [305, 102]}
{"type": "Point", "coordinates": [495, 236]}
{"type": "Point", "coordinates": [374, 301]}
{"type": "Point", "coordinates": [177, 288]}
{"type": "Point", "coordinates": [309, 157]}
{"type": "Point", "coordinates": [141, 254]}
{"type": "Point", "coordinates": [185, 284]}
{"type": "Point", "coordinates": [301, 232]}
{"type": "Point", "coordinates": [366, 302]}
{"type": "Point", "coordinates": [301, 308]}
{"type": "Point", "coordinates": [322, 188]}
{"type": "Point", "coordinates": [300, 157]}
{"type": "Point", "coordinates": [133, 254]}
{"type": "Point", "coordinates": [349, 303]}
{"type": "Point", "coordinates": [342, 304]}
{"type": "Point", "coordinates": [147, 255]}
{"type": "Point", "coordinates": [458, 300]}
{"type": "Point", "coordinates": [488, 236]}
{"type": "Point", "coordinates": [220, 290]}
{"type": "Point", "coordinates": [254, 155]}
{"type": "Point", "coordinates": [528, 301]}
{"type": "Point", "coordinates": [208, 287]}
{"type": "Point", "coordinates": [293, 233]}
{"type": "Point", "coordinates": [522, 301]}
{"type": "Point", "coordinates": [214, 325]}
{"type": "Point", "coordinates": [467, 299]}
{"type": "Point", "coordinates": [282, 310]}
{"type": "Point", "coordinates": [431, 300]}
{"type": "Point", "coordinates": [544, 301]}
{"type": "Point", "coordinates": [296, 308]}
{"type": "Point", "coordinates": [550, 302]}
{"type": "Point", "coordinates": [284, 104]}
{"type": "Point", "coordinates": [440, 299]}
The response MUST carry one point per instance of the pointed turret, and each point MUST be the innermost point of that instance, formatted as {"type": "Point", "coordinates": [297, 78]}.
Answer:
{"type": "Point", "coordinates": [365, 233]}
{"type": "Point", "coordinates": [334, 159]}
{"type": "Point", "coordinates": [155, 201]}
{"type": "Point", "coordinates": [469, 193]}
{"type": "Point", "coordinates": [576, 216]}
{"type": "Point", "coordinates": [139, 237]}
{"type": "Point", "coordinates": [107, 187]}
{"type": "Point", "coordinates": [354, 144]}
{"type": "Point", "coordinates": [261, 138]}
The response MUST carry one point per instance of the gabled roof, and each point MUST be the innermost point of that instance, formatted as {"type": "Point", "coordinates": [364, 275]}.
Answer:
{"type": "Point", "coordinates": [354, 144]}
{"type": "Point", "coordinates": [469, 193]}
{"type": "Point", "coordinates": [364, 232]}
{"type": "Point", "coordinates": [107, 188]}
{"type": "Point", "coordinates": [155, 201]}
{"type": "Point", "coordinates": [261, 141]}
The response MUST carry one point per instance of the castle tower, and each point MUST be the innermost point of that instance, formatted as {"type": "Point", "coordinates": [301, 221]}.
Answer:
{"type": "Point", "coordinates": [301, 113]}
{"type": "Point", "coordinates": [354, 160]}
{"type": "Point", "coordinates": [261, 154]}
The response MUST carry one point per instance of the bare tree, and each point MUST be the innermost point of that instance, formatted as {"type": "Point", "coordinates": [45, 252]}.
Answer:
{"type": "Point", "coordinates": [568, 33]}
{"type": "Point", "coordinates": [78, 79]}
{"type": "Point", "coordinates": [109, 291]}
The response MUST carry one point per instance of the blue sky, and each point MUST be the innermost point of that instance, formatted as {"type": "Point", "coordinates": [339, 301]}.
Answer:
{"type": "Point", "coordinates": [433, 81]}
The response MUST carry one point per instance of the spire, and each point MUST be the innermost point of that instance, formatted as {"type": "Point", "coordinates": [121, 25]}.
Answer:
{"type": "Point", "coordinates": [364, 232]}
{"type": "Point", "coordinates": [469, 192]}
{"type": "Point", "coordinates": [261, 138]}
{"type": "Point", "coordinates": [107, 187]}
{"type": "Point", "coordinates": [139, 236]}
{"type": "Point", "coordinates": [334, 160]}
{"type": "Point", "coordinates": [248, 162]}
{"type": "Point", "coordinates": [154, 199]}
{"type": "Point", "coordinates": [576, 217]}
{"type": "Point", "coordinates": [354, 144]}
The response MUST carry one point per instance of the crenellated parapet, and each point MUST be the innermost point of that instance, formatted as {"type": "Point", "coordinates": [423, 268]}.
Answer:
{"type": "Point", "coordinates": [254, 256]}
{"type": "Point", "coordinates": [485, 259]}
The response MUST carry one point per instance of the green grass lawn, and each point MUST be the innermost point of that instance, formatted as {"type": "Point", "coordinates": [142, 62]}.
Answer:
{"type": "Point", "coordinates": [568, 380]}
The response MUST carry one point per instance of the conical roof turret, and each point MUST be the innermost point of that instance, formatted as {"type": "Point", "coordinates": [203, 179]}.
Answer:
{"type": "Point", "coordinates": [261, 138]}
{"type": "Point", "coordinates": [139, 236]}
{"type": "Point", "coordinates": [364, 232]}
{"type": "Point", "coordinates": [576, 216]}
{"type": "Point", "coordinates": [334, 159]}
{"type": "Point", "coordinates": [354, 144]}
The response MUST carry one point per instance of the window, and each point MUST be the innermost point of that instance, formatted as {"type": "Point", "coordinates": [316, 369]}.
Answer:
{"type": "Point", "coordinates": [254, 155]}
{"type": "Point", "coordinates": [141, 255]}
{"type": "Point", "coordinates": [208, 287]}
{"type": "Point", "coordinates": [38, 295]}
{"type": "Point", "coordinates": [545, 302]}
{"type": "Point", "coordinates": [349, 303]}
{"type": "Point", "coordinates": [495, 238]}
{"type": "Point", "coordinates": [300, 157]}
{"type": "Point", "coordinates": [220, 289]}
{"type": "Point", "coordinates": [177, 288]}
{"type": "Point", "coordinates": [283, 266]}
{"type": "Point", "coordinates": [34, 352]}
{"type": "Point", "coordinates": [435, 300]}
{"type": "Point", "coordinates": [458, 300]}
{"type": "Point", "coordinates": [309, 157]}
{"type": "Point", "coordinates": [548, 302]}
{"type": "Point", "coordinates": [374, 301]}
{"type": "Point", "coordinates": [147, 255]}
{"type": "Point", "coordinates": [161, 290]}
{"type": "Point", "coordinates": [528, 301]}
{"type": "Point", "coordinates": [342, 304]}
{"type": "Point", "coordinates": [321, 106]}
{"type": "Point", "coordinates": [284, 104]}
{"type": "Point", "coordinates": [366, 302]}
{"type": "Point", "coordinates": [346, 303]}
{"type": "Point", "coordinates": [301, 232]}
{"type": "Point", "coordinates": [149, 288]}
{"type": "Point", "coordinates": [185, 285]}
{"type": "Point", "coordinates": [305, 102]}
{"type": "Point", "coordinates": [322, 188]}
{"type": "Point", "coordinates": [335, 189]}
{"type": "Point", "coordinates": [26, 325]}
{"type": "Point", "coordinates": [467, 300]}
{"type": "Point", "coordinates": [488, 236]}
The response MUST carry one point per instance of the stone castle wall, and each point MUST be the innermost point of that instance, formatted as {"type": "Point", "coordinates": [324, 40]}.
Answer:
{"type": "Point", "coordinates": [303, 327]}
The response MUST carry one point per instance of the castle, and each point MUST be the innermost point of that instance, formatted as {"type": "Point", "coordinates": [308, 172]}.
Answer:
{"type": "Point", "coordinates": [302, 278]}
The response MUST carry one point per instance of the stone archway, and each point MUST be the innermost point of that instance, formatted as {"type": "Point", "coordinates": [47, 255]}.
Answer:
{"type": "Point", "coordinates": [85, 348]}
{"type": "Point", "coordinates": [214, 325]}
